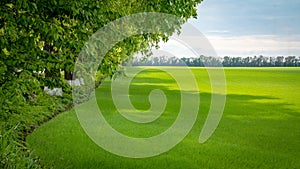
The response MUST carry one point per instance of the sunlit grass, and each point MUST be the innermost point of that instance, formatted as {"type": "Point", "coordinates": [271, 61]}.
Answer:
{"type": "Point", "coordinates": [260, 127]}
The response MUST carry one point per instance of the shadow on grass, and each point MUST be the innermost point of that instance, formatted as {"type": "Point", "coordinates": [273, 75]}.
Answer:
{"type": "Point", "coordinates": [255, 132]}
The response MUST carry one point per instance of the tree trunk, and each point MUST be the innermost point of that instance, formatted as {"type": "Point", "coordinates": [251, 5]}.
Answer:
{"type": "Point", "coordinates": [68, 75]}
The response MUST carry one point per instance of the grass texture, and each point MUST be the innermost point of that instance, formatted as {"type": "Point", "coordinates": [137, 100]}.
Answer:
{"type": "Point", "coordinates": [260, 127]}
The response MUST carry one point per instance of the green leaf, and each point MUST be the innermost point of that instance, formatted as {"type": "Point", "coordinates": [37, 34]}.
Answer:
{"type": "Point", "coordinates": [9, 5]}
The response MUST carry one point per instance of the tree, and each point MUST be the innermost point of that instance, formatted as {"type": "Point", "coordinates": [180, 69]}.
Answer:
{"type": "Point", "coordinates": [279, 61]}
{"type": "Point", "coordinates": [43, 38]}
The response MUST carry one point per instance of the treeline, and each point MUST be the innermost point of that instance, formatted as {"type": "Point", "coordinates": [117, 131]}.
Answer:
{"type": "Point", "coordinates": [227, 61]}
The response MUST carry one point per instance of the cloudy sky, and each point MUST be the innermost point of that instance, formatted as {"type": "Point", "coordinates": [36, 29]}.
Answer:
{"type": "Point", "coordinates": [251, 27]}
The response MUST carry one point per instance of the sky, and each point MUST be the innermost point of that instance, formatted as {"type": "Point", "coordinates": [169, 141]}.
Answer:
{"type": "Point", "coordinates": [250, 27]}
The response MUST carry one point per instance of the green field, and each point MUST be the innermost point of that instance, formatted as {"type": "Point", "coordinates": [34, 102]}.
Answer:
{"type": "Point", "coordinates": [260, 127]}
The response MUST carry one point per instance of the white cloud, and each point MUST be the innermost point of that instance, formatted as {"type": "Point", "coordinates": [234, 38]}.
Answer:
{"type": "Point", "coordinates": [176, 48]}
{"type": "Point", "coordinates": [218, 31]}
{"type": "Point", "coordinates": [271, 45]}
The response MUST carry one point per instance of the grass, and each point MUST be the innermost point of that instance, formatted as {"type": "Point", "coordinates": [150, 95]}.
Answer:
{"type": "Point", "coordinates": [260, 127]}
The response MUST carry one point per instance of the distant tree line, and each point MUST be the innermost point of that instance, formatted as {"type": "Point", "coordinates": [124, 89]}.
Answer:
{"type": "Point", "coordinates": [227, 61]}
{"type": "Point", "coordinates": [158, 61]}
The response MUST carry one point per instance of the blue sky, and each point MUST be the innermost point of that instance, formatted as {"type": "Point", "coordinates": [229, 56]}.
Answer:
{"type": "Point", "coordinates": [251, 27]}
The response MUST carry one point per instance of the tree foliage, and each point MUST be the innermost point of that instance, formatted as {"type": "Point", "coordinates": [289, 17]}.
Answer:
{"type": "Point", "coordinates": [42, 38]}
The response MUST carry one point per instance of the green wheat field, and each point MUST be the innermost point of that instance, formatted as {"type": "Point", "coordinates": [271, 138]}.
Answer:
{"type": "Point", "coordinates": [260, 127]}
